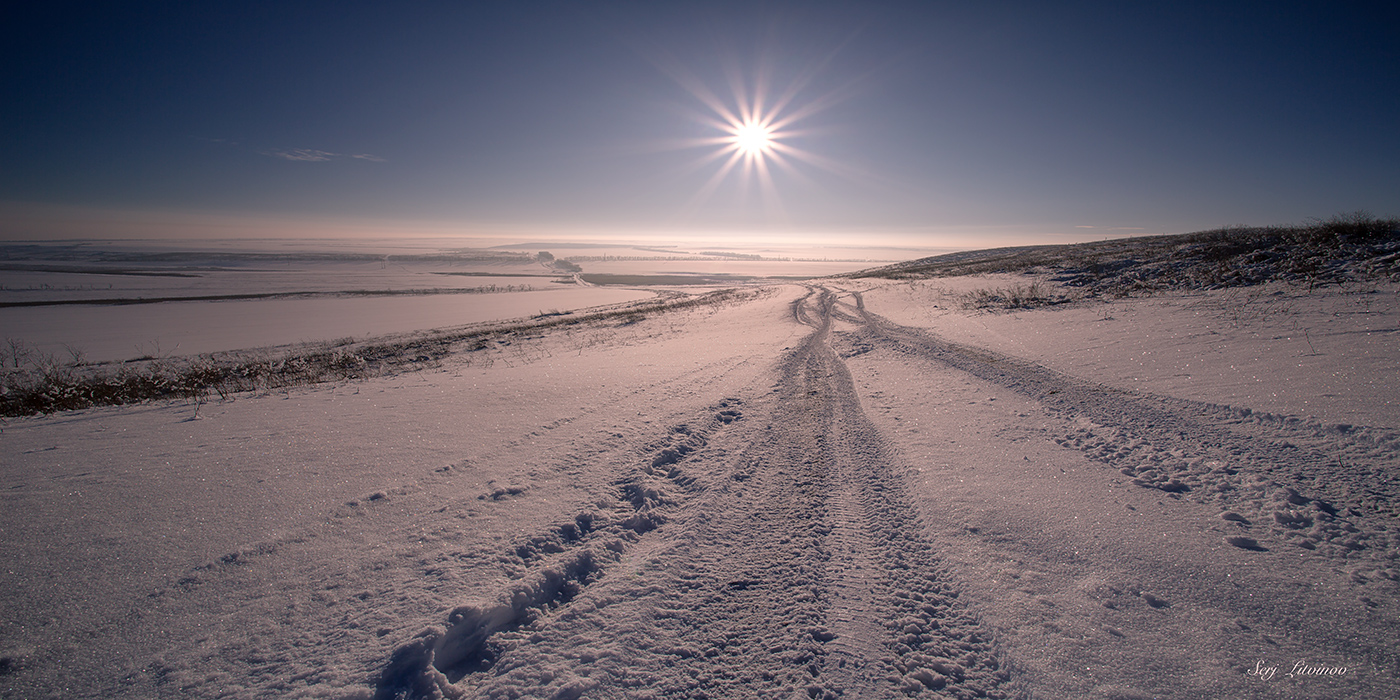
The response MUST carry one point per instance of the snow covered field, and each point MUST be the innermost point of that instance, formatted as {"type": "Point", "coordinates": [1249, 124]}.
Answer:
{"type": "Point", "coordinates": [116, 333]}
{"type": "Point", "coordinates": [160, 303]}
{"type": "Point", "coordinates": [113, 302]}
{"type": "Point", "coordinates": [848, 488]}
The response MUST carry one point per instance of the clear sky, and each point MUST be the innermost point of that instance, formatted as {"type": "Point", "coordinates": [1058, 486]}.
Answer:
{"type": "Point", "coordinates": [920, 122]}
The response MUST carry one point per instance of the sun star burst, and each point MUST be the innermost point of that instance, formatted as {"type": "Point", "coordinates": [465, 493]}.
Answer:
{"type": "Point", "coordinates": [753, 132]}
{"type": "Point", "coordinates": [753, 139]}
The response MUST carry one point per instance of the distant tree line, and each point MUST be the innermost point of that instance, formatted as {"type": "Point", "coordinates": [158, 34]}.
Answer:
{"type": "Point", "coordinates": [546, 258]}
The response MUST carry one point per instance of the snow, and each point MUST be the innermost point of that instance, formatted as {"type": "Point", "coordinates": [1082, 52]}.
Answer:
{"type": "Point", "coordinates": [115, 333]}
{"type": "Point", "coordinates": [325, 298]}
{"type": "Point", "coordinates": [843, 489]}
{"type": "Point", "coordinates": [1332, 355]}
{"type": "Point", "coordinates": [741, 268]}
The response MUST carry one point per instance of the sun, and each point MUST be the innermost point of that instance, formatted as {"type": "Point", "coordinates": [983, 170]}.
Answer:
{"type": "Point", "coordinates": [753, 139]}
{"type": "Point", "coordinates": [755, 131]}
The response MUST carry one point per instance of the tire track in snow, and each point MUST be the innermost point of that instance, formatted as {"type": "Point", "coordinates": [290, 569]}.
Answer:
{"type": "Point", "coordinates": [778, 559]}
{"type": "Point", "coordinates": [1324, 488]}
{"type": "Point", "coordinates": [897, 630]}
{"type": "Point", "coordinates": [448, 661]}
{"type": "Point", "coordinates": [250, 552]}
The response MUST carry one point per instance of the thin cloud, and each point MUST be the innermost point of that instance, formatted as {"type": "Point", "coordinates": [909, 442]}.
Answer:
{"type": "Point", "coordinates": [314, 155]}
{"type": "Point", "coordinates": [299, 154]}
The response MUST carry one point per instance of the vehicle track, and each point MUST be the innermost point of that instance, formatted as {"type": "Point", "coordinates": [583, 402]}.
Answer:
{"type": "Point", "coordinates": [777, 558]}
{"type": "Point", "coordinates": [1281, 481]}
{"type": "Point", "coordinates": [881, 574]}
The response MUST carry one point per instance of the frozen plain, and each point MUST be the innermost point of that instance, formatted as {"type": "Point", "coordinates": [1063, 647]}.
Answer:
{"type": "Point", "coordinates": [851, 488]}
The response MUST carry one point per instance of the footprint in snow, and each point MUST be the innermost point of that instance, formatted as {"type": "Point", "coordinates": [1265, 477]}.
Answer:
{"type": "Point", "coordinates": [1246, 543]}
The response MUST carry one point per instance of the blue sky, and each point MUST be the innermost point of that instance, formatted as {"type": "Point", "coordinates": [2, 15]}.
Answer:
{"type": "Point", "coordinates": [920, 122]}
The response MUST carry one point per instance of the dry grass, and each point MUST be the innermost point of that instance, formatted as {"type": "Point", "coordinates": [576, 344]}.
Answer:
{"type": "Point", "coordinates": [1017, 296]}
{"type": "Point", "coordinates": [1344, 248]}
